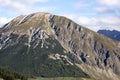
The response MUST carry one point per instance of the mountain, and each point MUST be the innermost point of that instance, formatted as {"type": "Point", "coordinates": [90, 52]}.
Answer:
{"type": "Point", "coordinates": [115, 35]}
{"type": "Point", "coordinates": [47, 45]}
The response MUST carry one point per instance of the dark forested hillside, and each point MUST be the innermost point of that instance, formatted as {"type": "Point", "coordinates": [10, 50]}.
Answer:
{"type": "Point", "coordinates": [9, 75]}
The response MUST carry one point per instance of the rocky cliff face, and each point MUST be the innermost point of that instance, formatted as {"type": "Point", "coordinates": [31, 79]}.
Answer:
{"type": "Point", "coordinates": [96, 55]}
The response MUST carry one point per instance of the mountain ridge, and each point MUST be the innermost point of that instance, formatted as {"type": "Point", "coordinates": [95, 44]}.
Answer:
{"type": "Point", "coordinates": [95, 54]}
{"type": "Point", "coordinates": [114, 34]}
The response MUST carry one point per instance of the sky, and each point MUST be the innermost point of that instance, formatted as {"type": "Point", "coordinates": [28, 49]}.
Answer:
{"type": "Point", "coordinates": [93, 14]}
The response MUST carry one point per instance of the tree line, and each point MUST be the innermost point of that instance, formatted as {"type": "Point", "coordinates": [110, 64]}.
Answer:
{"type": "Point", "coordinates": [8, 75]}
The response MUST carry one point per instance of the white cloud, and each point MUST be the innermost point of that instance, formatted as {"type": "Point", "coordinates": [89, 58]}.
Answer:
{"type": "Point", "coordinates": [43, 9]}
{"type": "Point", "coordinates": [104, 10]}
{"type": "Point", "coordinates": [15, 6]}
{"type": "Point", "coordinates": [22, 6]}
{"type": "Point", "coordinates": [110, 23]}
{"type": "Point", "coordinates": [80, 5]}
{"type": "Point", "coordinates": [109, 2]}
{"type": "Point", "coordinates": [110, 20]}
{"type": "Point", "coordinates": [33, 1]}
{"type": "Point", "coordinates": [4, 20]}
{"type": "Point", "coordinates": [108, 7]}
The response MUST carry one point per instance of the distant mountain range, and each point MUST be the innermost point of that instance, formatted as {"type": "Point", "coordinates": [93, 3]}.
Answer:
{"type": "Point", "coordinates": [47, 45]}
{"type": "Point", "coordinates": [114, 34]}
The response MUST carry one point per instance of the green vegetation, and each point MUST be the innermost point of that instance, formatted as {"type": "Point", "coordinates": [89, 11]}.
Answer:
{"type": "Point", "coordinates": [8, 75]}
{"type": "Point", "coordinates": [34, 62]}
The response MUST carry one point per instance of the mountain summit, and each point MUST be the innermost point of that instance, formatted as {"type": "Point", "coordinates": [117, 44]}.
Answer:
{"type": "Point", "coordinates": [46, 45]}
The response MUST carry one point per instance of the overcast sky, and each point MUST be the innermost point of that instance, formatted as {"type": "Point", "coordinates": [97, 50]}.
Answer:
{"type": "Point", "coordinates": [94, 14]}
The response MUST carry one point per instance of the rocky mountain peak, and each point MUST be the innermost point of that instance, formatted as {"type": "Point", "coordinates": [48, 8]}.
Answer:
{"type": "Point", "coordinates": [55, 35]}
{"type": "Point", "coordinates": [23, 23]}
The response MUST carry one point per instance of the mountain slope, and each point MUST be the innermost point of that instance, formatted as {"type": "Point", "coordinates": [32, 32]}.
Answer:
{"type": "Point", "coordinates": [42, 43]}
{"type": "Point", "coordinates": [8, 75]}
{"type": "Point", "coordinates": [36, 60]}
{"type": "Point", "coordinates": [115, 35]}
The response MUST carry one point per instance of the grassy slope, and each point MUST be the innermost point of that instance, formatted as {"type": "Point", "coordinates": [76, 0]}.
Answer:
{"type": "Point", "coordinates": [62, 78]}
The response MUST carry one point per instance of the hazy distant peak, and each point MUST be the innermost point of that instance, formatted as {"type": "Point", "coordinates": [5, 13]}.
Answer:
{"type": "Point", "coordinates": [113, 34]}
